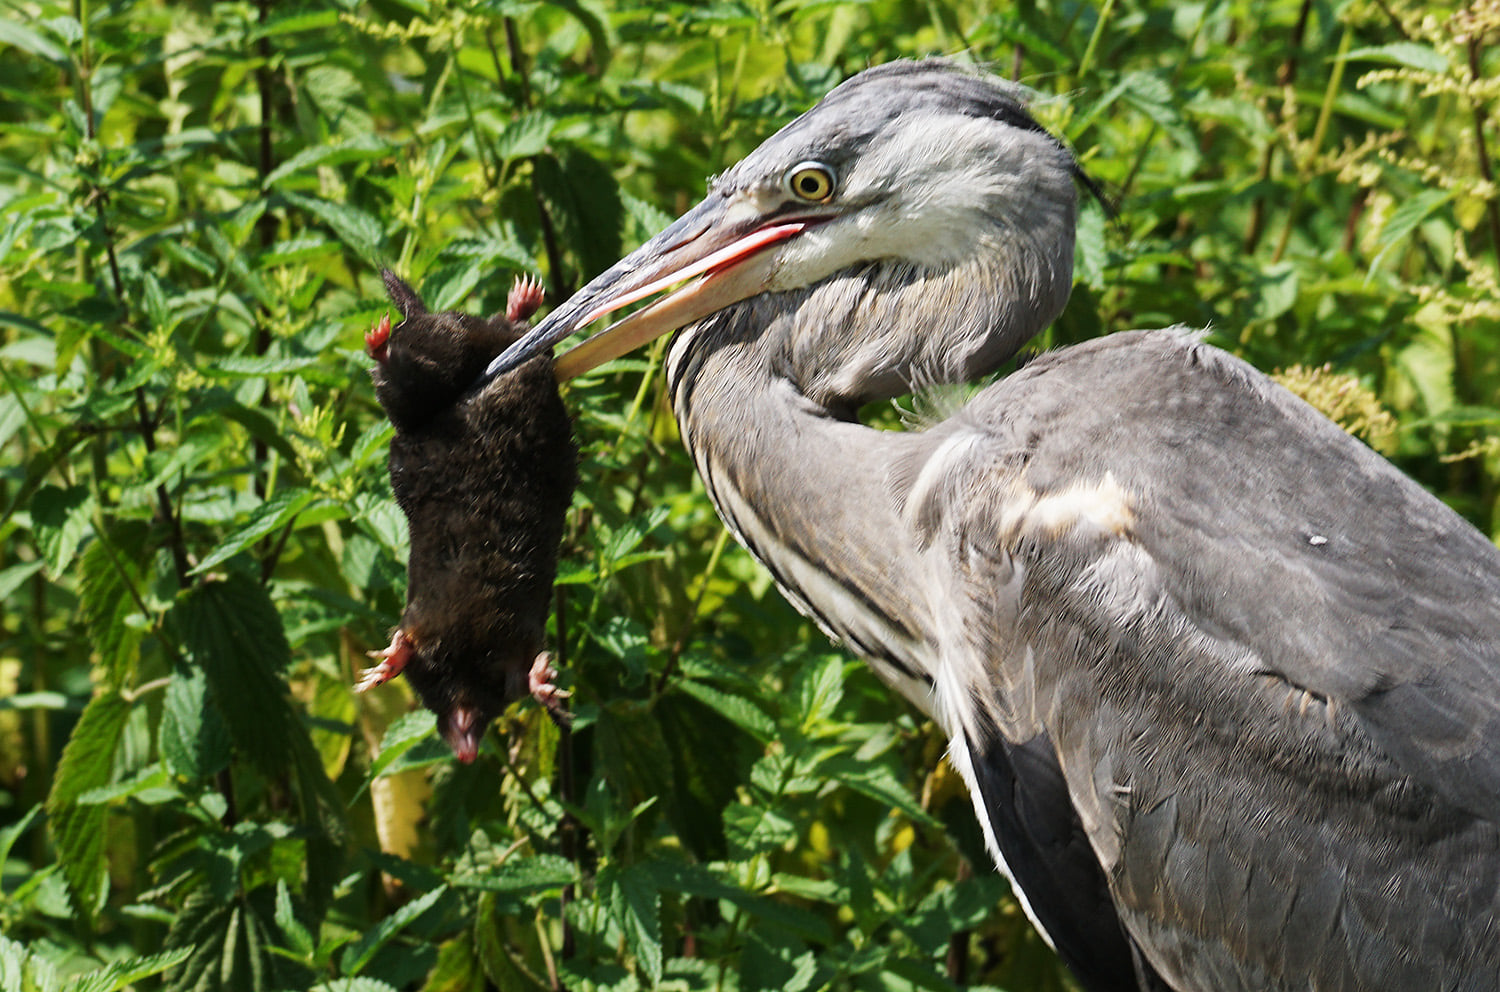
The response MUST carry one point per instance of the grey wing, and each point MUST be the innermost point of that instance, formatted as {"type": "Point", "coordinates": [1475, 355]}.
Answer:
{"type": "Point", "coordinates": [1269, 663]}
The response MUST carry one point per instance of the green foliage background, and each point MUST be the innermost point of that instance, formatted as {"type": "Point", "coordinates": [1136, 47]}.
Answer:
{"type": "Point", "coordinates": [199, 541]}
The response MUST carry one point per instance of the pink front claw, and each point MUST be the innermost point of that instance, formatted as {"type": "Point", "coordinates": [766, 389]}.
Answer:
{"type": "Point", "coordinates": [392, 660]}
{"type": "Point", "coordinates": [377, 339]}
{"type": "Point", "coordinates": [525, 296]}
{"type": "Point", "coordinates": [545, 691]}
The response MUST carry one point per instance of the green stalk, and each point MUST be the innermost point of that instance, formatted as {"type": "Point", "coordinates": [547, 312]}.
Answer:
{"type": "Point", "coordinates": [1320, 131]}
{"type": "Point", "coordinates": [1093, 45]}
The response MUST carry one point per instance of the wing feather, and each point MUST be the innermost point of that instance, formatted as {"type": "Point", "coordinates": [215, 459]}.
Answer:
{"type": "Point", "coordinates": [1274, 690]}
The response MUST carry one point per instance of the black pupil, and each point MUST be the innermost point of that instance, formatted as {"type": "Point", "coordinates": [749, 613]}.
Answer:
{"type": "Point", "coordinates": [810, 183]}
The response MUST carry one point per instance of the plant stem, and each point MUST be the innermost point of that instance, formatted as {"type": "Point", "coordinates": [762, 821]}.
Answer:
{"type": "Point", "coordinates": [265, 224]}
{"type": "Point", "coordinates": [1320, 131]}
{"type": "Point", "coordinates": [561, 285]}
{"type": "Point", "coordinates": [1093, 45]}
{"type": "Point", "coordinates": [1486, 168]}
{"type": "Point", "coordinates": [1285, 77]}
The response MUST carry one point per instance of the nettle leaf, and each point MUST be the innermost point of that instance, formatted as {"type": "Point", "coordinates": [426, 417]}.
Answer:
{"type": "Point", "coordinates": [1407, 53]}
{"type": "Point", "coordinates": [358, 955]}
{"type": "Point", "coordinates": [119, 974]}
{"type": "Point", "coordinates": [525, 136]}
{"type": "Point", "coordinates": [878, 782]}
{"type": "Point", "coordinates": [227, 944]}
{"type": "Point", "coordinates": [78, 829]}
{"type": "Point", "coordinates": [192, 739]}
{"type": "Point", "coordinates": [584, 198]}
{"type": "Point", "coordinates": [364, 148]}
{"type": "Point", "coordinates": [60, 519]}
{"type": "Point", "coordinates": [353, 985]}
{"type": "Point", "coordinates": [753, 829]}
{"type": "Point", "coordinates": [738, 709]}
{"type": "Point", "coordinates": [447, 287]}
{"type": "Point", "coordinates": [773, 960]}
{"type": "Point", "coordinates": [359, 231]}
{"type": "Point", "coordinates": [1407, 218]}
{"type": "Point", "coordinates": [820, 687]}
{"type": "Point", "coordinates": [25, 971]}
{"type": "Point", "coordinates": [111, 582]}
{"type": "Point", "coordinates": [539, 873]}
{"type": "Point", "coordinates": [404, 733]}
{"type": "Point", "coordinates": [272, 515]}
{"type": "Point", "coordinates": [697, 880]}
{"type": "Point", "coordinates": [232, 632]}
{"type": "Point", "coordinates": [634, 903]}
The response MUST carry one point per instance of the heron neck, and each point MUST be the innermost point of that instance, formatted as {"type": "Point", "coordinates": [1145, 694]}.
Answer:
{"type": "Point", "coordinates": [807, 493]}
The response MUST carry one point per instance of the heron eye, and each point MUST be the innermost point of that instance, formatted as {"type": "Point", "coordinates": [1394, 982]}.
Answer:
{"type": "Point", "coordinates": [812, 181]}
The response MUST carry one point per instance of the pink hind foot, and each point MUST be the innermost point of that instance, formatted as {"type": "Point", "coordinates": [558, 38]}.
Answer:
{"type": "Point", "coordinates": [525, 296]}
{"type": "Point", "coordinates": [541, 680]}
{"type": "Point", "coordinates": [392, 660]}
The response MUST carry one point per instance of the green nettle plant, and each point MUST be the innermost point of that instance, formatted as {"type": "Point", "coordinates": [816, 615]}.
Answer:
{"type": "Point", "coordinates": [199, 541]}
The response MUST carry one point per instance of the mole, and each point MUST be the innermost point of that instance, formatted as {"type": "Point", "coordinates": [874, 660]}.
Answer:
{"type": "Point", "coordinates": [485, 477]}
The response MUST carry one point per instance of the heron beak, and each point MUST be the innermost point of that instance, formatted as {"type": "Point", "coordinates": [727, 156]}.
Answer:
{"type": "Point", "coordinates": [729, 259]}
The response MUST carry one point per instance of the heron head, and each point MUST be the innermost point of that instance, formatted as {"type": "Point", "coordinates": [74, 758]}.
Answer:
{"type": "Point", "coordinates": [917, 222]}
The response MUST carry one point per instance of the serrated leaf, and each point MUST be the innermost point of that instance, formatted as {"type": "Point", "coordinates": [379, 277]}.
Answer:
{"type": "Point", "coordinates": [356, 149]}
{"type": "Point", "coordinates": [150, 786]}
{"type": "Point", "coordinates": [1407, 53]}
{"type": "Point", "coordinates": [192, 739]}
{"type": "Point", "coordinates": [111, 582]}
{"type": "Point", "coordinates": [14, 32]}
{"type": "Point", "coordinates": [633, 901]}
{"type": "Point", "coordinates": [538, 873]}
{"type": "Point", "coordinates": [233, 633]}
{"type": "Point", "coordinates": [12, 578]}
{"type": "Point", "coordinates": [381, 518]}
{"type": "Point", "coordinates": [628, 536]}
{"type": "Point", "coordinates": [447, 287]}
{"type": "Point", "coordinates": [879, 783]}
{"type": "Point", "coordinates": [78, 830]}
{"type": "Point", "coordinates": [1407, 218]}
{"type": "Point", "coordinates": [358, 955]}
{"type": "Point", "coordinates": [59, 519]}
{"type": "Point", "coordinates": [525, 136]}
{"type": "Point", "coordinates": [272, 515]}
{"type": "Point", "coordinates": [753, 829]}
{"type": "Point", "coordinates": [738, 709]}
{"type": "Point", "coordinates": [291, 928]}
{"type": "Point", "coordinates": [778, 961]}
{"type": "Point", "coordinates": [117, 975]}
{"type": "Point", "coordinates": [584, 199]}
{"type": "Point", "coordinates": [12, 833]}
{"type": "Point", "coordinates": [820, 687]}
{"type": "Point", "coordinates": [225, 942]}
{"type": "Point", "coordinates": [22, 970]}
{"type": "Point", "coordinates": [700, 881]}
{"type": "Point", "coordinates": [405, 733]}
{"type": "Point", "coordinates": [353, 985]}
{"type": "Point", "coordinates": [360, 232]}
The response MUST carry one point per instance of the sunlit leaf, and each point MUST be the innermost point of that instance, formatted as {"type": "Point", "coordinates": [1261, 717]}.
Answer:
{"type": "Point", "coordinates": [78, 830]}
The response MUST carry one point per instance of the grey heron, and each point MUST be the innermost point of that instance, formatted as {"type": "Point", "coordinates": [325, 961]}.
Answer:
{"type": "Point", "coordinates": [1224, 685]}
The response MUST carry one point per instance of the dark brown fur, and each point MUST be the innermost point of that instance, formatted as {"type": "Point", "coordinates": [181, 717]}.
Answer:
{"type": "Point", "coordinates": [485, 479]}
